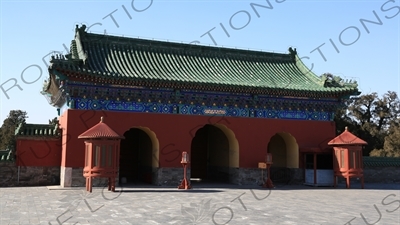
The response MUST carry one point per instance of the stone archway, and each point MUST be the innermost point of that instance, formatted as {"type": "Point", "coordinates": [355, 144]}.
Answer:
{"type": "Point", "coordinates": [284, 150]}
{"type": "Point", "coordinates": [285, 156]}
{"type": "Point", "coordinates": [139, 153]}
{"type": "Point", "coordinates": [214, 153]}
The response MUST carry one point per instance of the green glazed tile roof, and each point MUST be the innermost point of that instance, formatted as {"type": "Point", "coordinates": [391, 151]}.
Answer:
{"type": "Point", "coordinates": [132, 61]}
{"type": "Point", "coordinates": [37, 130]}
{"type": "Point", "coordinates": [381, 161]}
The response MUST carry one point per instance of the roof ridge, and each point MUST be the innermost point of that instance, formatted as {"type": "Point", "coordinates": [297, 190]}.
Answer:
{"type": "Point", "coordinates": [192, 43]}
{"type": "Point", "coordinates": [305, 70]}
{"type": "Point", "coordinates": [83, 35]}
{"type": "Point", "coordinates": [37, 124]}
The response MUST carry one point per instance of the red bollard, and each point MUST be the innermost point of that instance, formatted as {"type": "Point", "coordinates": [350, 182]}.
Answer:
{"type": "Point", "coordinates": [185, 183]}
{"type": "Point", "coordinates": [268, 183]}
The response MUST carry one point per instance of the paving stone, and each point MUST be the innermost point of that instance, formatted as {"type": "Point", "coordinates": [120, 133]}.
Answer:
{"type": "Point", "coordinates": [215, 204]}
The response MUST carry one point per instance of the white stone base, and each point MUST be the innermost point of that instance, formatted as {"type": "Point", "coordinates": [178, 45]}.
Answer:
{"type": "Point", "coordinates": [73, 177]}
{"type": "Point", "coordinates": [65, 176]}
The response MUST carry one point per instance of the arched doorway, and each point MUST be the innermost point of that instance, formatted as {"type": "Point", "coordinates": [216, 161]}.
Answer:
{"type": "Point", "coordinates": [214, 152]}
{"type": "Point", "coordinates": [285, 155]}
{"type": "Point", "coordinates": [138, 156]}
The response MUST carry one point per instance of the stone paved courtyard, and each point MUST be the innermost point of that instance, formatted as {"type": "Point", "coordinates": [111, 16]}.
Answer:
{"type": "Point", "coordinates": [225, 204]}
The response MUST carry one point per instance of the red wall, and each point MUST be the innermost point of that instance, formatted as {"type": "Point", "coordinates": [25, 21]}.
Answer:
{"type": "Point", "coordinates": [175, 133]}
{"type": "Point", "coordinates": [38, 152]}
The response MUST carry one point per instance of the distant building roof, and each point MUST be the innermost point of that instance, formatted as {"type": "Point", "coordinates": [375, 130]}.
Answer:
{"type": "Point", "coordinates": [6, 155]}
{"type": "Point", "coordinates": [381, 161]}
{"type": "Point", "coordinates": [37, 130]}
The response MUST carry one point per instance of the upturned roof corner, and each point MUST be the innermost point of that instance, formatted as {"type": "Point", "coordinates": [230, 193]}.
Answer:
{"type": "Point", "coordinates": [329, 80]}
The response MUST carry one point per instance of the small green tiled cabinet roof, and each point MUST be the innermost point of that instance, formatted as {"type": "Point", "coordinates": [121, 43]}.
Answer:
{"type": "Point", "coordinates": [109, 59]}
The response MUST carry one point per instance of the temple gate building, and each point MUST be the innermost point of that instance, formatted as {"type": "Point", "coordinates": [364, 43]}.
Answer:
{"type": "Point", "coordinates": [225, 107]}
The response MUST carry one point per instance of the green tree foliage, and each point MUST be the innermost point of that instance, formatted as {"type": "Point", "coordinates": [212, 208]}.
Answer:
{"type": "Point", "coordinates": [375, 120]}
{"type": "Point", "coordinates": [343, 119]}
{"type": "Point", "coordinates": [7, 130]}
{"type": "Point", "coordinates": [391, 147]}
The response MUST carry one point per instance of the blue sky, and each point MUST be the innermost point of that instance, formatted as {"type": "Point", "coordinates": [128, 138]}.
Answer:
{"type": "Point", "coordinates": [365, 51]}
